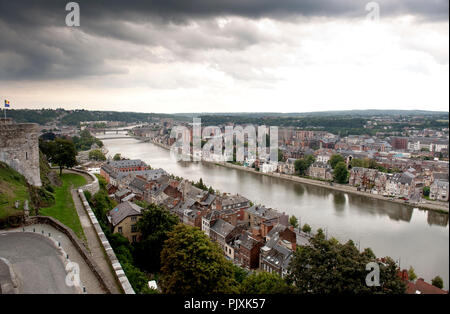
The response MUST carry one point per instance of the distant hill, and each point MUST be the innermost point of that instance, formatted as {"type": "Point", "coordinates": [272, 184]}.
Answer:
{"type": "Point", "coordinates": [74, 117]}
{"type": "Point", "coordinates": [353, 113]}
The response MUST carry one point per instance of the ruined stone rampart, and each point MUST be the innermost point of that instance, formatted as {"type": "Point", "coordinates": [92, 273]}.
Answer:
{"type": "Point", "coordinates": [19, 148]}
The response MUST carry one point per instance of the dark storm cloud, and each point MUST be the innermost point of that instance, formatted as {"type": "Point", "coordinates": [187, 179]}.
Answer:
{"type": "Point", "coordinates": [36, 44]}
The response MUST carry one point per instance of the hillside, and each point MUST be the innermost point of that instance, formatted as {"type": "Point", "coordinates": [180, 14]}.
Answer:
{"type": "Point", "coordinates": [74, 117]}
{"type": "Point", "coordinates": [13, 186]}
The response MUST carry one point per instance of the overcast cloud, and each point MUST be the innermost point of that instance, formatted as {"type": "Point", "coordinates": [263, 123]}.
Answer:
{"type": "Point", "coordinates": [225, 55]}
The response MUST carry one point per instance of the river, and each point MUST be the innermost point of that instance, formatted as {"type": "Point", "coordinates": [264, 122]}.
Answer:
{"type": "Point", "coordinates": [414, 237]}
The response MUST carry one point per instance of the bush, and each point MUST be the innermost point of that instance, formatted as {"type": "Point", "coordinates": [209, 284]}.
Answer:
{"type": "Point", "coordinates": [88, 196]}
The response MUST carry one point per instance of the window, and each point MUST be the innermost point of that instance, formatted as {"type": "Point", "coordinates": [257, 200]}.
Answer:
{"type": "Point", "coordinates": [119, 230]}
{"type": "Point", "coordinates": [133, 228]}
{"type": "Point", "coordinates": [133, 218]}
{"type": "Point", "coordinates": [134, 238]}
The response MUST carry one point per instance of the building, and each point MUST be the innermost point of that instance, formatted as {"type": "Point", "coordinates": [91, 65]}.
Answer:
{"type": "Point", "coordinates": [112, 171]}
{"type": "Point", "coordinates": [422, 287]}
{"type": "Point", "coordinates": [439, 190]}
{"type": "Point", "coordinates": [121, 194]}
{"type": "Point", "coordinates": [123, 219]}
{"type": "Point", "coordinates": [222, 232]}
{"type": "Point", "coordinates": [400, 143]}
{"type": "Point", "coordinates": [260, 219]}
{"type": "Point", "coordinates": [275, 258]}
{"type": "Point", "coordinates": [401, 185]}
{"type": "Point", "coordinates": [246, 251]}
{"type": "Point", "coordinates": [320, 170]}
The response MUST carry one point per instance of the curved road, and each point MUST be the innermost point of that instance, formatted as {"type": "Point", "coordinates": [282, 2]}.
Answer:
{"type": "Point", "coordinates": [36, 262]}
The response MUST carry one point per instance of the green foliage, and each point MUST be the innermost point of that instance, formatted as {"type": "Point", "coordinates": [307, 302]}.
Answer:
{"type": "Point", "coordinates": [137, 278]}
{"type": "Point", "coordinates": [61, 152]}
{"type": "Point", "coordinates": [63, 208]}
{"type": "Point", "coordinates": [117, 157]}
{"type": "Point", "coordinates": [329, 267]}
{"type": "Point", "coordinates": [154, 225]}
{"type": "Point", "coordinates": [280, 155]}
{"type": "Point", "coordinates": [13, 186]}
{"type": "Point", "coordinates": [367, 163]}
{"type": "Point", "coordinates": [45, 170]}
{"type": "Point", "coordinates": [101, 182]}
{"type": "Point", "coordinates": [191, 263]}
{"type": "Point", "coordinates": [306, 228]}
{"type": "Point", "coordinates": [335, 159]}
{"type": "Point", "coordinates": [293, 221]}
{"type": "Point", "coordinates": [264, 283]}
{"type": "Point", "coordinates": [341, 173]}
{"type": "Point", "coordinates": [85, 141]}
{"type": "Point", "coordinates": [88, 195]}
{"type": "Point", "coordinates": [42, 197]}
{"type": "Point", "coordinates": [411, 274]}
{"type": "Point", "coordinates": [426, 191]}
{"type": "Point", "coordinates": [438, 282]}
{"type": "Point", "coordinates": [301, 165]}
{"type": "Point", "coordinates": [201, 185]}
{"type": "Point", "coordinates": [97, 155]}
{"type": "Point", "coordinates": [101, 204]}
{"type": "Point", "coordinates": [239, 274]}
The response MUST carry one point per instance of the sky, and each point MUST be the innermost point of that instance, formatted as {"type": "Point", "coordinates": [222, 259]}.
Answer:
{"type": "Point", "coordinates": [170, 56]}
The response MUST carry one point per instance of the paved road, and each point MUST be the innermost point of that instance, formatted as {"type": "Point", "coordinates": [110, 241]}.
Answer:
{"type": "Point", "coordinates": [36, 262]}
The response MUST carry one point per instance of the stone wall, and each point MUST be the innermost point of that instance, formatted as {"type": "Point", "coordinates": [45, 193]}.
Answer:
{"type": "Point", "coordinates": [112, 258]}
{"type": "Point", "coordinates": [19, 148]}
{"type": "Point", "coordinates": [92, 187]}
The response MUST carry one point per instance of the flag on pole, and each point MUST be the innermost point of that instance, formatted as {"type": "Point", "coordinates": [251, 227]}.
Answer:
{"type": "Point", "coordinates": [6, 103]}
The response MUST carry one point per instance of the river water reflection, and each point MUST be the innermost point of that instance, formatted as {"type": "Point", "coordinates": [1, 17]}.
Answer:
{"type": "Point", "coordinates": [416, 237]}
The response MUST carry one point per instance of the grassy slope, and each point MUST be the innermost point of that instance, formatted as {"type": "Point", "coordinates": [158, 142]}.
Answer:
{"type": "Point", "coordinates": [13, 187]}
{"type": "Point", "coordinates": [64, 208]}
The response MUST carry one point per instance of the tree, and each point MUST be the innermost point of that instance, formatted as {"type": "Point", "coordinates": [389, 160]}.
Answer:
{"type": "Point", "coordinates": [340, 173]}
{"type": "Point", "coordinates": [117, 157]}
{"type": "Point", "coordinates": [239, 274]}
{"type": "Point", "coordinates": [97, 154]}
{"type": "Point", "coordinates": [280, 155]}
{"type": "Point", "coordinates": [306, 228]}
{"type": "Point", "coordinates": [201, 185]}
{"type": "Point", "coordinates": [301, 165]}
{"type": "Point", "coordinates": [293, 221]}
{"type": "Point", "coordinates": [192, 263]}
{"type": "Point", "coordinates": [310, 159]}
{"type": "Point", "coordinates": [335, 159]}
{"type": "Point", "coordinates": [411, 274]}
{"type": "Point", "coordinates": [61, 152]}
{"type": "Point", "coordinates": [329, 267]}
{"type": "Point", "coordinates": [264, 283]}
{"type": "Point", "coordinates": [426, 191]}
{"type": "Point", "coordinates": [437, 282]}
{"type": "Point", "coordinates": [85, 141]}
{"type": "Point", "coordinates": [154, 225]}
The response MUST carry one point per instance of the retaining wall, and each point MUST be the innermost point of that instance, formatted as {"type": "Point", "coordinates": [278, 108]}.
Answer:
{"type": "Point", "coordinates": [118, 271]}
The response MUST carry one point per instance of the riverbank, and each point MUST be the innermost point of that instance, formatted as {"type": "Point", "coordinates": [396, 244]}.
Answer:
{"type": "Point", "coordinates": [429, 205]}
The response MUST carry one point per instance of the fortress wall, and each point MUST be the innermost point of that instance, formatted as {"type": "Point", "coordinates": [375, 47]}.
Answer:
{"type": "Point", "coordinates": [19, 148]}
